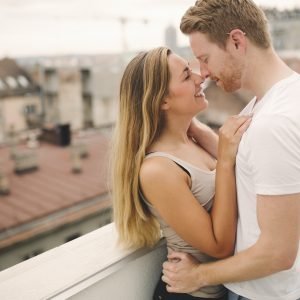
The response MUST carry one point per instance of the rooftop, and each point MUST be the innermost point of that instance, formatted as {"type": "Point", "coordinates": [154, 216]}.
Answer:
{"type": "Point", "coordinates": [53, 189]}
{"type": "Point", "coordinates": [14, 80]}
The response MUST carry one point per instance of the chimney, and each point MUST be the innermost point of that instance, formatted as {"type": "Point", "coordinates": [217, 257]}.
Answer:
{"type": "Point", "coordinates": [4, 184]}
{"type": "Point", "coordinates": [76, 161]}
{"type": "Point", "coordinates": [32, 141]}
{"type": "Point", "coordinates": [25, 161]}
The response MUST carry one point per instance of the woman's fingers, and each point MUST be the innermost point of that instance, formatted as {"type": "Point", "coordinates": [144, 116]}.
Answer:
{"type": "Point", "coordinates": [233, 124]}
{"type": "Point", "coordinates": [243, 127]}
{"type": "Point", "coordinates": [230, 135]}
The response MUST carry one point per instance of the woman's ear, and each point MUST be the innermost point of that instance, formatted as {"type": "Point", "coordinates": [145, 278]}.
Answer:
{"type": "Point", "coordinates": [165, 104]}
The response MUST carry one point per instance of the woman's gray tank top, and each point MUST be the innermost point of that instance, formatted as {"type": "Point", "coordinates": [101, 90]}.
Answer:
{"type": "Point", "coordinates": [203, 189]}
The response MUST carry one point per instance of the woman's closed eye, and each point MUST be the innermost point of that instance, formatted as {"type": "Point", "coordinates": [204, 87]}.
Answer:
{"type": "Point", "coordinates": [188, 74]}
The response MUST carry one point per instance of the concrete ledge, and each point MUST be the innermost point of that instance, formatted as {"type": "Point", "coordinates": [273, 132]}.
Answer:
{"type": "Point", "coordinates": [90, 267]}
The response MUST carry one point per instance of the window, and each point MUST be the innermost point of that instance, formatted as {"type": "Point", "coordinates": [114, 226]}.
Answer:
{"type": "Point", "coordinates": [23, 81]}
{"type": "Point", "coordinates": [11, 81]}
{"type": "Point", "coordinates": [30, 109]}
{"type": "Point", "coordinates": [2, 85]}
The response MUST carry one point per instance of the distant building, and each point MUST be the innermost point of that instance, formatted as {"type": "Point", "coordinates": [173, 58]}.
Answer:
{"type": "Point", "coordinates": [285, 28]}
{"type": "Point", "coordinates": [66, 197]}
{"type": "Point", "coordinates": [61, 96]}
{"type": "Point", "coordinates": [100, 92]}
{"type": "Point", "coordinates": [20, 105]}
{"type": "Point", "coordinates": [82, 95]}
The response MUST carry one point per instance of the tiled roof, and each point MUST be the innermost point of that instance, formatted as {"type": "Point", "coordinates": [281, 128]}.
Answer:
{"type": "Point", "coordinates": [53, 188]}
{"type": "Point", "coordinates": [14, 80]}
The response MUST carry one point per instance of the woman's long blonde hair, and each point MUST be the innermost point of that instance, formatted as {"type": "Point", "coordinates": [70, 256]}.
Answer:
{"type": "Point", "coordinates": [143, 88]}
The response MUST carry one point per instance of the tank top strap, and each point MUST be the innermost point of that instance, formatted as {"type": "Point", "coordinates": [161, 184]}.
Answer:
{"type": "Point", "coordinates": [164, 154]}
{"type": "Point", "coordinates": [181, 163]}
{"type": "Point", "coordinates": [176, 160]}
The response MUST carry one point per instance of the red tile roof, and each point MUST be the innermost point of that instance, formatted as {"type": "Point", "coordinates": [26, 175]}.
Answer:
{"type": "Point", "coordinates": [53, 187]}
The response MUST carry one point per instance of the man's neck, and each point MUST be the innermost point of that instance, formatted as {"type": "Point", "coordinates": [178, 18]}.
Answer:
{"type": "Point", "coordinates": [264, 69]}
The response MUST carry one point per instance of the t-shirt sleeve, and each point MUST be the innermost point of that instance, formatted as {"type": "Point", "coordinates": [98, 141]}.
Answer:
{"type": "Point", "coordinates": [274, 155]}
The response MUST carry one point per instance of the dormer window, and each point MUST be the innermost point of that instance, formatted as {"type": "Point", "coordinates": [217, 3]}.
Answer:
{"type": "Point", "coordinates": [2, 85]}
{"type": "Point", "coordinates": [12, 82]}
{"type": "Point", "coordinates": [23, 81]}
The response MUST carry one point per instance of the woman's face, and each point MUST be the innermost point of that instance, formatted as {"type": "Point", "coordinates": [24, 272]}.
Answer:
{"type": "Point", "coordinates": [186, 95]}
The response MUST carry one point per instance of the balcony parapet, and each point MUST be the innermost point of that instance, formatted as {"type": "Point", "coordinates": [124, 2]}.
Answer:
{"type": "Point", "coordinates": [90, 267]}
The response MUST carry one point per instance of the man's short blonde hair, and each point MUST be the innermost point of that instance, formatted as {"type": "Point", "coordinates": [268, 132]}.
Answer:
{"type": "Point", "coordinates": [217, 18]}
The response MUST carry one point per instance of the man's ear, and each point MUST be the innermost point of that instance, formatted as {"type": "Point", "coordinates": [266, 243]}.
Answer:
{"type": "Point", "coordinates": [238, 38]}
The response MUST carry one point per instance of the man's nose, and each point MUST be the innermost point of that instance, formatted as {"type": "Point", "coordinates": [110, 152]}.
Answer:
{"type": "Point", "coordinates": [204, 71]}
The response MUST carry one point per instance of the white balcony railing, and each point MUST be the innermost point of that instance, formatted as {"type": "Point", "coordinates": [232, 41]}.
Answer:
{"type": "Point", "coordinates": [90, 267]}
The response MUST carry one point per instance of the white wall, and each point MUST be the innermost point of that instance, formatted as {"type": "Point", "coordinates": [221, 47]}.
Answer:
{"type": "Point", "coordinates": [13, 111]}
{"type": "Point", "coordinates": [90, 267]}
{"type": "Point", "coordinates": [70, 100]}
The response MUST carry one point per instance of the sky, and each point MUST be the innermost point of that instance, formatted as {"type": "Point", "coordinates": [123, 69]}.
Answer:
{"type": "Point", "coordinates": [55, 27]}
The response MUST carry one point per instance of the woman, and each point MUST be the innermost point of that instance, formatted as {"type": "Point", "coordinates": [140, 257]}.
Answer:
{"type": "Point", "coordinates": [164, 179]}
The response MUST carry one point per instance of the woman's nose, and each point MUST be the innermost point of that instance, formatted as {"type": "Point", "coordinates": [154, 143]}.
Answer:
{"type": "Point", "coordinates": [198, 78]}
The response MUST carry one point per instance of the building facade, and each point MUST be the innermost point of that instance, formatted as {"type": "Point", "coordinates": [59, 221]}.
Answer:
{"type": "Point", "coordinates": [20, 105]}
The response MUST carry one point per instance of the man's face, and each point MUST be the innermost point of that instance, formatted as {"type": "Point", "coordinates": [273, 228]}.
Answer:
{"type": "Point", "coordinates": [221, 65]}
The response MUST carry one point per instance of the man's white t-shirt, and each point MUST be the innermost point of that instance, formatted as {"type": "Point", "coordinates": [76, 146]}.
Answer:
{"type": "Point", "coordinates": [268, 163]}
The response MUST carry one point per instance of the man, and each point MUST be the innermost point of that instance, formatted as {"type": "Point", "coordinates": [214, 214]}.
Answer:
{"type": "Point", "coordinates": [230, 39]}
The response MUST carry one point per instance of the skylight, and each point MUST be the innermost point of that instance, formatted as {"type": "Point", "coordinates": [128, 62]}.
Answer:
{"type": "Point", "coordinates": [2, 85]}
{"type": "Point", "coordinates": [23, 81]}
{"type": "Point", "coordinates": [12, 82]}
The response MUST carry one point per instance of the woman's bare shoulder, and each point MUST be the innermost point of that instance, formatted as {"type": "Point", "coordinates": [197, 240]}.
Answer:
{"type": "Point", "coordinates": [155, 167]}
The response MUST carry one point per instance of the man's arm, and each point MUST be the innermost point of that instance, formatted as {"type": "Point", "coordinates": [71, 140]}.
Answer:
{"type": "Point", "coordinates": [275, 250]}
